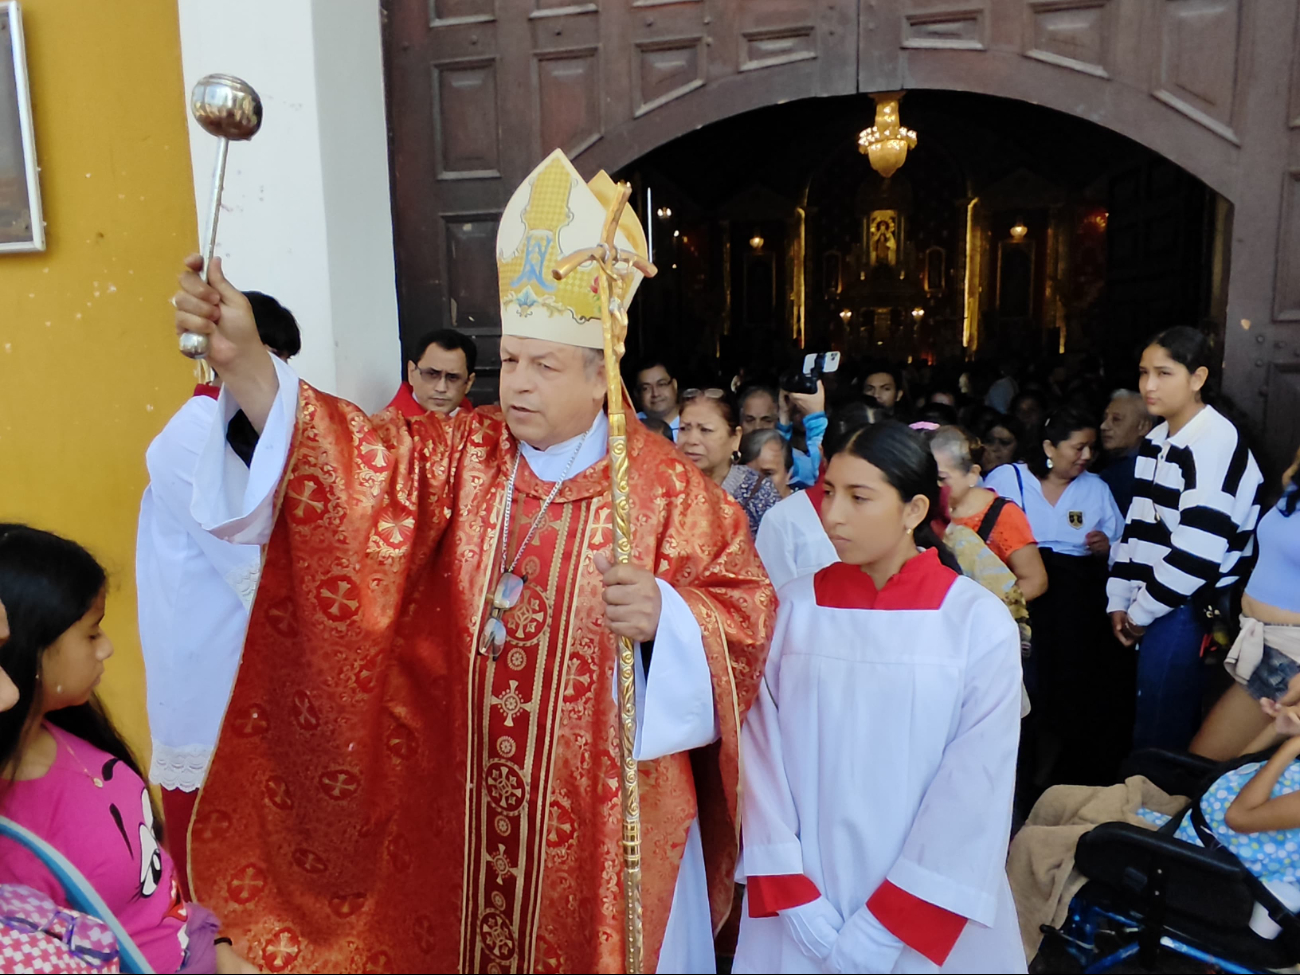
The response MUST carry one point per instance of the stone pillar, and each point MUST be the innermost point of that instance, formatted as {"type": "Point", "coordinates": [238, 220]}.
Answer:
{"type": "Point", "coordinates": [307, 214]}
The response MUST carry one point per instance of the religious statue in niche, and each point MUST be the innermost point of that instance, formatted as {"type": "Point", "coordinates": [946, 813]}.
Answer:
{"type": "Point", "coordinates": [831, 284]}
{"type": "Point", "coordinates": [883, 238]}
{"type": "Point", "coordinates": [934, 269]}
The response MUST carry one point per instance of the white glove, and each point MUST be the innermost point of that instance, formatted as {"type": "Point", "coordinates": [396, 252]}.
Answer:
{"type": "Point", "coordinates": [864, 945]}
{"type": "Point", "coordinates": [814, 927]}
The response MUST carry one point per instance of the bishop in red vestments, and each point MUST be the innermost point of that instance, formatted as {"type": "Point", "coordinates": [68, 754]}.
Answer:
{"type": "Point", "coordinates": [393, 790]}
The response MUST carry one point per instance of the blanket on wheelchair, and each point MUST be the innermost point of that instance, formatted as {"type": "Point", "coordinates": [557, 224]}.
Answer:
{"type": "Point", "coordinates": [1040, 863]}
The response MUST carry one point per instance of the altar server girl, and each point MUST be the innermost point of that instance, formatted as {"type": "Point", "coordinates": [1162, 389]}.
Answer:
{"type": "Point", "coordinates": [880, 757]}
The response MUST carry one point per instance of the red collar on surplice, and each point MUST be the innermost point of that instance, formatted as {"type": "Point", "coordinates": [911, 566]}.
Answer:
{"type": "Point", "coordinates": [922, 583]}
{"type": "Point", "coordinates": [203, 389]}
{"type": "Point", "coordinates": [405, 402]}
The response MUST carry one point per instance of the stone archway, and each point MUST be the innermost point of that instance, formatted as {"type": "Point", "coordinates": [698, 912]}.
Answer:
{"type": "Point", "coordinates": [481, 89]}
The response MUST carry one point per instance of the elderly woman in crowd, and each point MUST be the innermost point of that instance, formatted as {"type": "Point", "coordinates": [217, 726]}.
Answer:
{"type": "Point", "coordinates": [709, 435]}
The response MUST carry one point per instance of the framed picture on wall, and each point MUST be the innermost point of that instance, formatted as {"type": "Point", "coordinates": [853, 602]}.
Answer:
{"type": "Point", "coordinates": [21, 227]}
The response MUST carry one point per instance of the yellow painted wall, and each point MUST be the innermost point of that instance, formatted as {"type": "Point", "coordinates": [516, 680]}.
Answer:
{"type": "Point", "coordinates": [89, 371]}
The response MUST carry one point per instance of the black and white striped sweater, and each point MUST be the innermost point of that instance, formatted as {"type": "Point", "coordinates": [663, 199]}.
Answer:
{"type": "Point", "coordinates": [1195, 504]}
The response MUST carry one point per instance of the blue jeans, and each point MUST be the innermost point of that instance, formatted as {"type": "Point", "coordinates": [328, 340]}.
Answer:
{"type": "Point", "coordinates": [1170, 682]}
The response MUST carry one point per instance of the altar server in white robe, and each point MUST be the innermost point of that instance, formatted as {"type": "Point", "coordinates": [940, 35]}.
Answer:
{"type": "Point", "coordinates": [194, 594]}
{"type": "Point", "coordinates": [879, 760]}
{"type": "Point", "coordinates": [791, 541]}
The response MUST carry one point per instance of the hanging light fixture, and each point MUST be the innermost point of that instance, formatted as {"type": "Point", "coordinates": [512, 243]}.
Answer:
{"type": "Point", "coordinates": [917, 314]}
{"type": "Point", "coordinates": [1018, 231]}
{"type": "Point", "coordinates": [756, 241]}
{"type": "Point", "coordinates": [845, 315]}
{"type": "Point", "coordinates": [663, 213]}
{"type": "Point", "coordinates": [886, 143]}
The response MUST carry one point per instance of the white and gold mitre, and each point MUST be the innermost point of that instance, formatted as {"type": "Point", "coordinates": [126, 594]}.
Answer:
{"type": "Point", "coordinates": [554, 213]}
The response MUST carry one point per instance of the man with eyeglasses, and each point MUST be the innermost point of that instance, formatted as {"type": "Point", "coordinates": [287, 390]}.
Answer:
{"type": "Point", "coordinates": [439, 374]}
{"type": "Point", "coordinates": [656, 392]}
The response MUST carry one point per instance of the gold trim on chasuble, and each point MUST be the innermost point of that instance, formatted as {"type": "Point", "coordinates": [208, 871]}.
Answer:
{"type": "Point", "coordinates": [515, 704]}
{"type": "Point", "coordinates": [306, 409]}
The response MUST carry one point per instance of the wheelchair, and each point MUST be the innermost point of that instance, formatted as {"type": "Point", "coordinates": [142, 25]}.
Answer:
{"type": "Point", "coordinates": [1148, 892]}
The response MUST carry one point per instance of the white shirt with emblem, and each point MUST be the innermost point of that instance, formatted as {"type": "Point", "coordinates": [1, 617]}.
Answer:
{"type": "Point", "coordinates": [1086, 505]}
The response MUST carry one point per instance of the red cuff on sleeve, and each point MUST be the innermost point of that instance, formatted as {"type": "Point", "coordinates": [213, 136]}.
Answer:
{"type": "Point", "coordinates": [767, 895]}
{"type": "Point", "coordinates": [922, 926]}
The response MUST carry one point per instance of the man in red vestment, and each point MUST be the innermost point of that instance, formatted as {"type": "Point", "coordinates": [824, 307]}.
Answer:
{"type": "Point", "coordinates": [411, 775]}
{"type": "Point", "coordinates": [439, 374]}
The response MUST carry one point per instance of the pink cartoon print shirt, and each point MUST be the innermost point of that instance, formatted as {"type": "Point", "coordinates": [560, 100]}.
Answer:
{"type": "Point", "coordinates": [108, 834]}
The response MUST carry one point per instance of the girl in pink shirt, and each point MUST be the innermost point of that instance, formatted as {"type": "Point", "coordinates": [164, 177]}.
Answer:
{"type": "Point", "coordinates": [66, 774]}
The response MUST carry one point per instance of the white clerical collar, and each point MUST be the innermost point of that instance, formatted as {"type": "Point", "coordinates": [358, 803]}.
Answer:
{"type": "Point", "coordinates": [549, 464]}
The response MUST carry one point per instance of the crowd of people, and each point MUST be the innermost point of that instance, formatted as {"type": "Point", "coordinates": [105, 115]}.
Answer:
{"type": "Point", "coordinates": [1122, 521]}
{"type": "Point", "coordinates": [890, 613]}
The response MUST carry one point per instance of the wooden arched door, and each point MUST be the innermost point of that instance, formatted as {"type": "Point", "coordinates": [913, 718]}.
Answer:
{"type": "Point", "coordinates": [479, 90]}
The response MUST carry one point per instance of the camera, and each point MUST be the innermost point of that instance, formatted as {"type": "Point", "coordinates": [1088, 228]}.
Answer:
{"type": "Point", "coordinates": [803, 377]}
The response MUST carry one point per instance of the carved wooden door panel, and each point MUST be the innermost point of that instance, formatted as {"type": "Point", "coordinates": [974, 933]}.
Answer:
{"type": "Point", "coordinates": [480, 90]}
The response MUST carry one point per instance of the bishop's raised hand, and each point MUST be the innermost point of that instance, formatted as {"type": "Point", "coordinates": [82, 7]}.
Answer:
{"type": "Point", "coordinates": [219, 310]}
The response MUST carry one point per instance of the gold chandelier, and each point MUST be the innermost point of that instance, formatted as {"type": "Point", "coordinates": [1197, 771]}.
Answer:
{"type": "Point", "coordinates": [886, 143]}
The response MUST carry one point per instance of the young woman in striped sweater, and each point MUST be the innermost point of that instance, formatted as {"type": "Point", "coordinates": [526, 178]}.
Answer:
{"type": "Point", "coordinates": [1195, 504]}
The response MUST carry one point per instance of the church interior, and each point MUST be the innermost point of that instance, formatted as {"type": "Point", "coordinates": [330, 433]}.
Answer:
{"type": "Point", "coordinates": [1008, 227]}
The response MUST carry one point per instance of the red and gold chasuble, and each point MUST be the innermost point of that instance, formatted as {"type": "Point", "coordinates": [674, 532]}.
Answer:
{"type": "Point", "coordinates": [383, 798]}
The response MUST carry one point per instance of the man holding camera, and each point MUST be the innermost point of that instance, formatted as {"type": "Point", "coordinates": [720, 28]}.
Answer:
{"type": "Point", "coordinates": [803, 398]}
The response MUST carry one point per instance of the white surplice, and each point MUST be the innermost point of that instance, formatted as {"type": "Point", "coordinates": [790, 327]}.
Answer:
{"type": "Point", "coordinates": [879, 761]}
{"type": "Point", "coordinates": [194, 594]}
{"type": "Point", "coordinates": [675, 700]}
{"type": "Point", "coordinates": [791, 541]}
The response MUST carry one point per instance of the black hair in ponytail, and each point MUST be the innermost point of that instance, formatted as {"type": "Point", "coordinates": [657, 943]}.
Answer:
{"type": "Point", "coordinates": [1060, 426]}
{"type": "Point", "coordinates": [903, 457]}
{"type": "Point", "coordinates": [1190, 348]}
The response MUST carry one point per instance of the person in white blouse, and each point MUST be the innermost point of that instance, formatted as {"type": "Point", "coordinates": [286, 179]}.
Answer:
{"type": "Point", "coordinates": [1083, 680]}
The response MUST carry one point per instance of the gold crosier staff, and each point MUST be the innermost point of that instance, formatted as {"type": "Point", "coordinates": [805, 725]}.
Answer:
{"type": "Point", "coordinates": [615, 275]}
